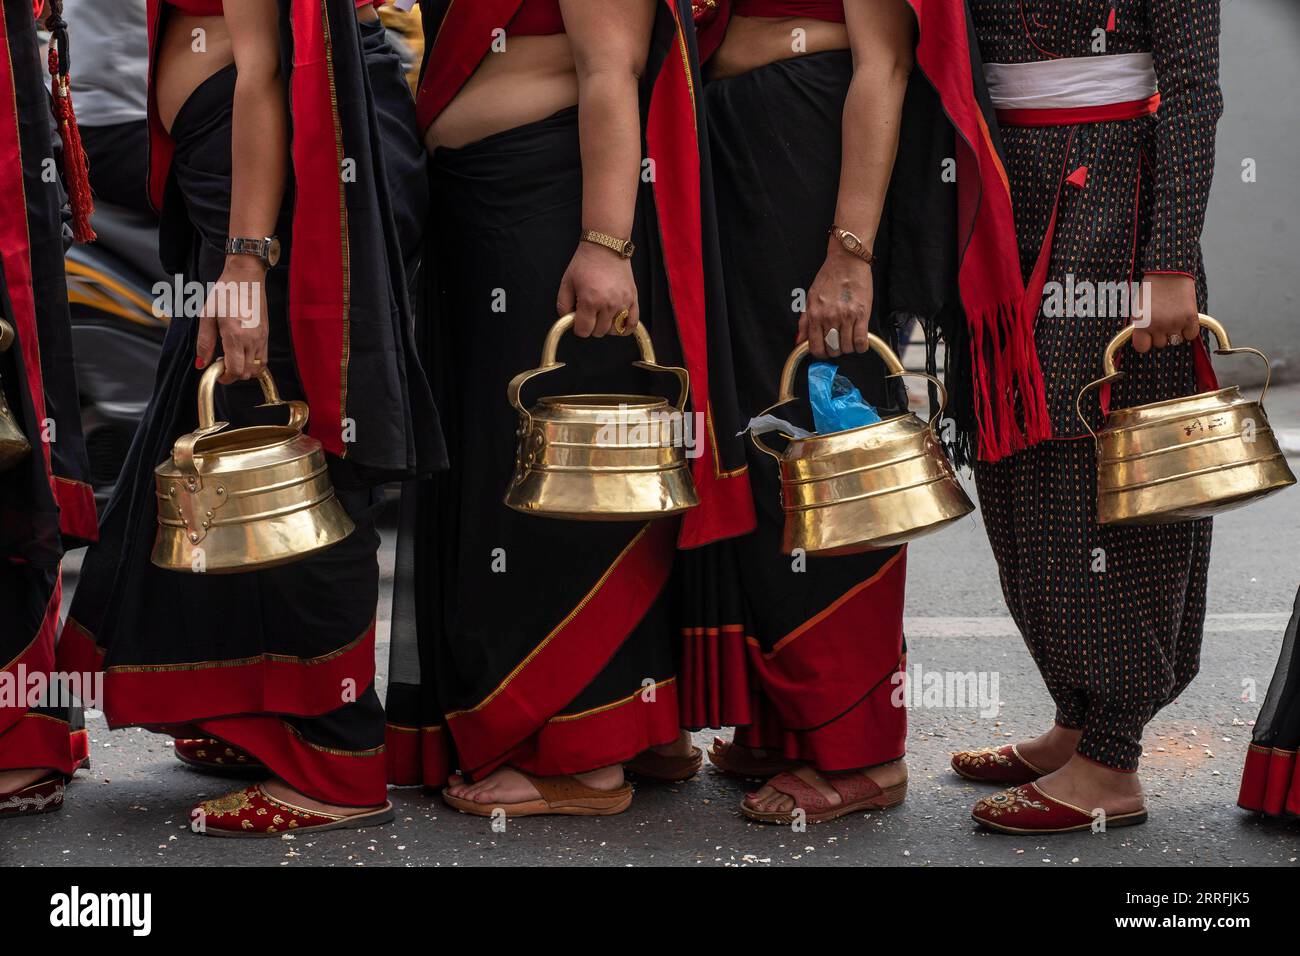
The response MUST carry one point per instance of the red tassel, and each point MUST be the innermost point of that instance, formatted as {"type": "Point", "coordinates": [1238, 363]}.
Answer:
{"type": "Point", "coordinates": [76, 171]}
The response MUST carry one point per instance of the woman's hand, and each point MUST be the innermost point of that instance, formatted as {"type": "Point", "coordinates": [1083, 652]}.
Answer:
{"type": "Point", "coordinates": [598, 285]}
{"type": "Point", "coordinates": [1169, 314]}
{"type": "Point", "coordinates": [839, 300]}
{"type": "Point", "coordinates": [236, 310]}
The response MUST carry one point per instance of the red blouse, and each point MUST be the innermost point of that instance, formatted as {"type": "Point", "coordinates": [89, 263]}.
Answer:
{"type": "Point", "coordinates": [832, 10]}
{"type": "Point", "coordinates": [537, 18]}
{"type": "Point", "coordinates": [212, 8]}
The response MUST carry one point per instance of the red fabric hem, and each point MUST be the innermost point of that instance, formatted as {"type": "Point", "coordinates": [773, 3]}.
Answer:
{"type": "Point", "coordinates": [601, 738]}
{"type": "Point", "coordinates": [41, 741]}
{"type": "Point", "coordinates": [341, 779]}
{"type": "Point", "coordinates": [823, 695]}
{"type": "Point", "coordinates": [571, 656]}
{"type": "Point", "coordinates": [418, 755]}
{"type": "Point", "coordinates": [263, 685]}
{"type": "Point", "coordinates": [37, 657]}
{"type": "Point", "coordinates": [1269, 782]}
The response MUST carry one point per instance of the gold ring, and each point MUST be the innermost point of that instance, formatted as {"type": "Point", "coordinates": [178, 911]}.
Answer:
{"type": "Point", "coordinates": [620, 322]}
{"type": "Point", "coordinates": [257, 361]}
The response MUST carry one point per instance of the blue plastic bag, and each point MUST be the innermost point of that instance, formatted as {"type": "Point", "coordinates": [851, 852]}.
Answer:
{"type": "Point", "coordinates": [837, 404]}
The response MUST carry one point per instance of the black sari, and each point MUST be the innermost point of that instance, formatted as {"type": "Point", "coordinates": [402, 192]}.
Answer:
{"type": "Point", "coordinates": [545, 644]}
{"type": "Point", "coordinates": [278, 662]}
{"type": "Point", "coordinates": [46, 503]}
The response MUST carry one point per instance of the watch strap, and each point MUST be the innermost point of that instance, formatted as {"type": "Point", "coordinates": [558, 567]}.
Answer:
{"type": "Point", "coordinates": [853, 245]}
{"type": "Point", "coordinates": [624, 247]}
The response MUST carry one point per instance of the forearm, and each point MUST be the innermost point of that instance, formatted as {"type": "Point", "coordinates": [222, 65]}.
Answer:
{"type": "Point", "coordinates": [259, 154]}
{"type": "Point", "coordinates": [872, 115]}
{"type": "Point", "coordinates": [609, 125]}
{"type": "Point", "coordinates": [881, 35]}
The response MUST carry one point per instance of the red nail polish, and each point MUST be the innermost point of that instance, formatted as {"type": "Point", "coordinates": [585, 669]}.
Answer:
{"type": "Point", "coordinates": [198, 363]}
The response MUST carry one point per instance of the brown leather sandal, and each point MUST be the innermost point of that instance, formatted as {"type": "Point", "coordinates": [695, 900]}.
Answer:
{"type": "Point", "coordinates": [737, 761]}
{"type": "Point", "coordinates": [857, 791]}
{"type": "Point", "coordinates": [564, 796]}
{"type": "Point", "coordinates": [664, 768]}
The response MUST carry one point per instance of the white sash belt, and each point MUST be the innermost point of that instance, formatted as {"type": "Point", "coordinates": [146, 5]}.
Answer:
{"type": "Point", "coordinates": [1071, 83]}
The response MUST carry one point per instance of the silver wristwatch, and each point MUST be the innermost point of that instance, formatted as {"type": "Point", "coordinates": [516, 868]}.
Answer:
{"type": "Point", "coordinates": [268, 249]}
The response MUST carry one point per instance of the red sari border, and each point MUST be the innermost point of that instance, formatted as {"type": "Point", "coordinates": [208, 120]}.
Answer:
{"type": "Point", "coordinates": [163, 694]}
{"type": "Point", "coordinates": [39, 740]}
{"type": "Point", "coordinates": [823, 693]}
{"type": "Point", "coordinates": [1269, 782]}
{"type": "Point", "coordinates": [38, 657]}
{"type": "Point", "coordinates": [570, 657]}
{"type": "Point", "coordinates": [342, 778]}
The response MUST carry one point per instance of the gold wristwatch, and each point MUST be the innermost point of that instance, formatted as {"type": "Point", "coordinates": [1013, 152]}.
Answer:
{"type": "Point", "coordinates": [624, 247]}
{"type": "Point", "coordinates": [853, 245]}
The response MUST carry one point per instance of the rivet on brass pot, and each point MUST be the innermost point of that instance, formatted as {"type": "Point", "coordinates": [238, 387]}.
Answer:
{"type": "Point", "coordinates": [249, 498]}
{"type": "Point", "coordinates": [1185, 457]}
{"type": "Point", "coordinates": [865, 488]}
{"type": "Point", "coordinates": [600, 457]}
{"type": "Point", "coordinates": [14, 445]}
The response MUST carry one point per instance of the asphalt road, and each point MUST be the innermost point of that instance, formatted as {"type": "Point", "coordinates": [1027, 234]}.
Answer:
{"type": "Point", "coordinates": [131, 806]}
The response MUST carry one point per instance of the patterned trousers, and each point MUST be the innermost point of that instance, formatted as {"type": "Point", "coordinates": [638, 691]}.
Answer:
{"type": "Point", "coordinates": [1112, 616]}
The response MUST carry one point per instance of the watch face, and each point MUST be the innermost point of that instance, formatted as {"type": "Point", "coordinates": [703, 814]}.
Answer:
{"type": "Point", "coordinates": [850, 241]}
{"type": "Point", "coordinates": [273, 252]}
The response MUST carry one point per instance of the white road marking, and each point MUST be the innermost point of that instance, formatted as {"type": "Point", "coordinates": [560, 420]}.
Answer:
{"type": "Point", "coordinates": [1001, 626]}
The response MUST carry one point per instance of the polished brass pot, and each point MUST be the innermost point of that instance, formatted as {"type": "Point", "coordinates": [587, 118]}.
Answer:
{"type": "Point", "coordinates": [600, 457]}
{"type": "Point", "coordinates": [865, 488]}
{"type": "Point", "coordinates": [247, 498]}
{"type": "Point", "coordinates": [1186, 457]}
{"type": "Point", "coordinates": [13, 443]}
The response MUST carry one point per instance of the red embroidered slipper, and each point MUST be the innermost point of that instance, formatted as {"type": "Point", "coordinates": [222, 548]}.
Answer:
{"type": "Point", "coordinates": [1002, 765]}
{"type": "Point", "coordinates": [213, 756]}
{"type": "Point", "coordinates": [737, 761]}
{"type": "Point", "coordinates": [1027, 809]}
{"type": "Point", "coordinates": [857, 791]}
{"type": "Point", "coordinates": [666, 769]}
{"type": "Point", "coordinates": [252, 812]}
{"type": "Point", "coordinates": [43, 796]}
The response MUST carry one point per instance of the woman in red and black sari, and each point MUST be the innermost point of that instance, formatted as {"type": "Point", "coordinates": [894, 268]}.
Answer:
{"type": "Point", "coordinates": [536, 656]}
{"type": "Point", "coordinates": [45, 501]}
{"type": "Point", "coordinates": [271, 669]}
{"type": "Point", "coordinates": [809, 103]}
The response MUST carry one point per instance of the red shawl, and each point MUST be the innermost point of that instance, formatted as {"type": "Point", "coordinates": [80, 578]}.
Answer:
{"type": "Point", "coordinates": [1008, 381]}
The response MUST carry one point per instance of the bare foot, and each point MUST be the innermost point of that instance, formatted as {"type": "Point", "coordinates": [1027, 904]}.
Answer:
{"type": "Point", "coordinates": [1050, 751]}
{"type": "Point", "coordinates": [767, 799]}
{"type": "Point", "coordinates": [282, 791]}
{"type": "Point", "coordinates": [507, 785]}
{"type": "Point", "coordinates": [1090, 786]}
{"type": "Point", "coordinates": [14, 780]}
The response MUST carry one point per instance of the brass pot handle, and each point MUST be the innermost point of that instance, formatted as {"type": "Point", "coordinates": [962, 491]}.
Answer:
{"type": "Point", "coordinates": [550, 363]}
{"type": "Point", "coordinates": [1112, 373]}
{"type": "Point", "coordinates": [183, 451]}
{"type": "Point", "coordinates": [7, 335]}
{"type": "Point", "coordinates": [893, 365]}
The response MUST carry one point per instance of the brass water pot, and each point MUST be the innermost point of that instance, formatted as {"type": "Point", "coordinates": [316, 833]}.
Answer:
{"type": "Point", "coordinates": [13, 443]}
{"type": "Point", "coordinates": [1185, 457]}
{"type": "Point", "coordinates": [601, 457]}
{"type": "Point", "coordinates": [865, 488]}
{"type": "Point", "coordinates": [245, 499]}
